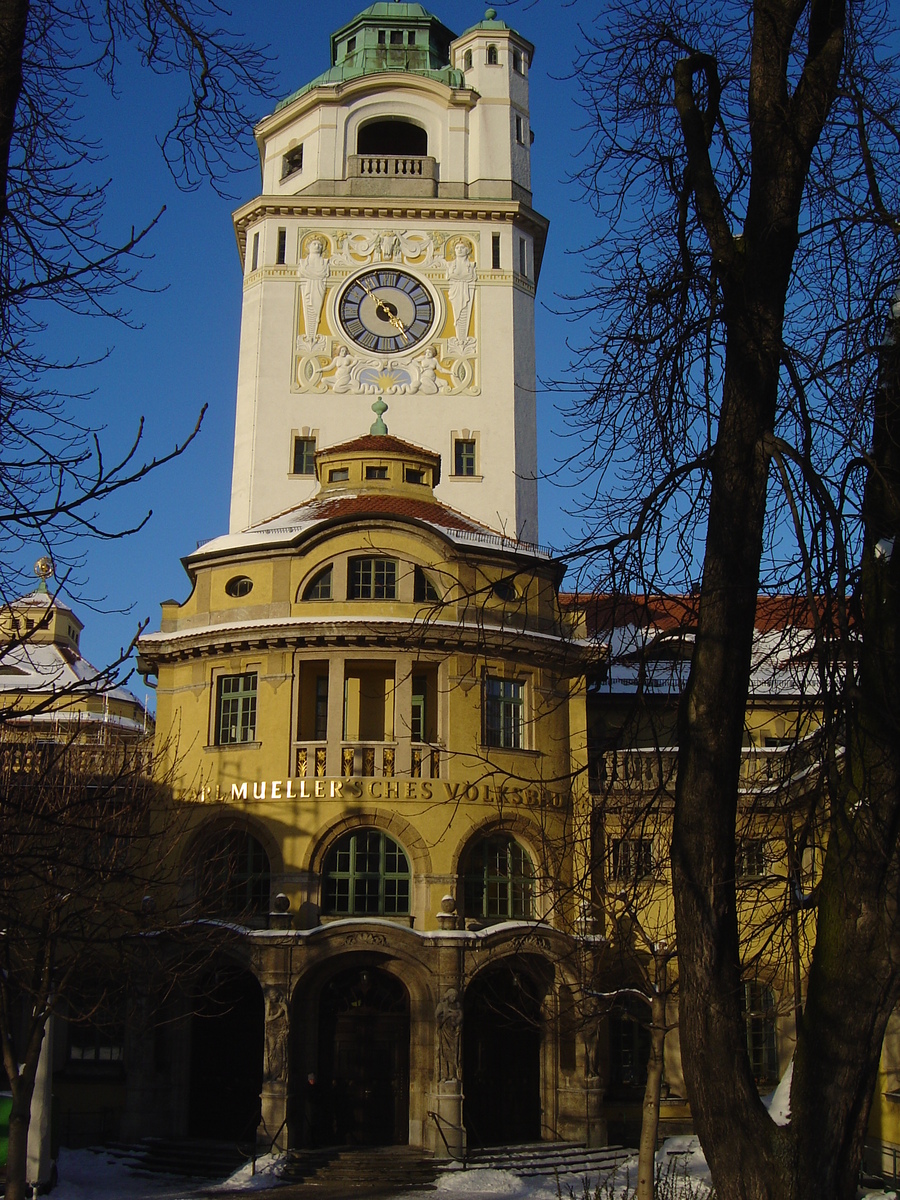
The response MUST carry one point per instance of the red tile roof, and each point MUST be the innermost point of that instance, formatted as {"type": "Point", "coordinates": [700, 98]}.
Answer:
{"type": "Point", "coordinates": [384, 443]}
{"type": "Point", "coordinates": [604, 612]}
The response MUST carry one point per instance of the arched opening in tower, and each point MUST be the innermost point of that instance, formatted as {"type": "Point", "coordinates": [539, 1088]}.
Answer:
{"type": "Point", "coordinates": [398, 138]}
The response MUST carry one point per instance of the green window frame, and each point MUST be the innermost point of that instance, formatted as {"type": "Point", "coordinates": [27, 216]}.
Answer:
{"type": "Point", "coordinates": [464, 448]}
{"type": "Point", "coordinates": [320, 586]}
{"type": "Point", "coordinates": [236, 708]}
{"type": "Point", "coordinates": [304, 456]}
{"type": "Point", "coordinates": [372, 579]}
{"type": "Point", "coordinates": [498, 881]}
{"type": "Point", "coordinates": [367, 874]}
{"type": "Point", "coordinates": [235, 877]}
{"type": "Point", "coordinates": [759, 1021]}
{"type": "Point", "coordinates": [503, 712]}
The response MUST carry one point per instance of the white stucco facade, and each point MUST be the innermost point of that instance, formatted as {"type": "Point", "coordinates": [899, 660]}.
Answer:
{"type": "Point", "coordinates": [453, 224]}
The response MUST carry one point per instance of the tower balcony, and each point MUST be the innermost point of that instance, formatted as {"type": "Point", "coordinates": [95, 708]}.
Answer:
{"type": "Point", "coordinates": [367, 760]}
{"type": "Point", "coordinates": [392, 175]}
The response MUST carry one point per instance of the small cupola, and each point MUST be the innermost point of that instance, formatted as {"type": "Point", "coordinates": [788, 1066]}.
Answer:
{"type": "Point", "coordinates": [378, 462]}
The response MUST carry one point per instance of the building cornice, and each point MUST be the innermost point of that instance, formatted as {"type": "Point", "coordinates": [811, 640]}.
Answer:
{"type": "Point", "coordinates": [289, 633]}
{"type": "Point", "coordinates": [339, 208]}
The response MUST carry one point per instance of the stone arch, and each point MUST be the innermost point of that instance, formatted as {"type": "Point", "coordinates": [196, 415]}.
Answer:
{"type": "Point", "coordinates": [231, 854]}
{"type": "Point", "coordinates": [323, 1041]}
{"type": "Point", "coordinates": [390, 822]}
{"type": "Point", "coordinates": [227, 1035]}
{"type": "Point", "coordinates": [401, 135]}
{"type": "Point", "coordinates": [528, 834]}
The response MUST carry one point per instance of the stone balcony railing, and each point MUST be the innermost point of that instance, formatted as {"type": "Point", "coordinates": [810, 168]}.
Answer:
{"type": "Point", "coordinates": [392, 174]}
{"type": "Point", "coordinates": [654, 769]}
{"type": "Point", "coordinates": [83, 759]}
{"type": "Point", "coordinates": [365, 760]}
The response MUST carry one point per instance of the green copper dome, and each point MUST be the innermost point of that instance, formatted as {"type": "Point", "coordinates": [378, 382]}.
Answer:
{"type": "Point", "coordinates": [388, 37]}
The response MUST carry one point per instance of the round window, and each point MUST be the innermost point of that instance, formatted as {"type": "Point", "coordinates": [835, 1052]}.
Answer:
{"type": "Point", "coordinates": [504, 590]}
{"type": "Point", "coordinates": [240, 585]}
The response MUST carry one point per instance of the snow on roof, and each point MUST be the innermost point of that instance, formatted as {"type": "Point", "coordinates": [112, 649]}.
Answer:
{"type": "Point", "coordinates": [42, 667]}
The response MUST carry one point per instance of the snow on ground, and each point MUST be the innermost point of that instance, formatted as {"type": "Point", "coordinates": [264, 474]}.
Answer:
{"type": "Point", "coordinates": [87, 1175]}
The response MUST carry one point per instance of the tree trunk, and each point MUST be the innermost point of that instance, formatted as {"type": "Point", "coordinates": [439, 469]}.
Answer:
{"type": "Point", "coordinates": [653, 1090]}
{"type": "Point", "coordinates": [17, 1153]}
{"type": "Point", "coordinates": [750, 1158]}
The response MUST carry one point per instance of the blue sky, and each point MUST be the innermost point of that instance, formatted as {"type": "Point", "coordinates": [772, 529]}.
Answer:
{"type": "Point", "coordinates": [184, 352]}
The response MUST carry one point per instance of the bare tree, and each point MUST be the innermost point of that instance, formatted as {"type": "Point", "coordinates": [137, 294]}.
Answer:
{"type": "Point", "coordinates": [55, 253]}
{"type": "Point", "coordinates": [745, 170]}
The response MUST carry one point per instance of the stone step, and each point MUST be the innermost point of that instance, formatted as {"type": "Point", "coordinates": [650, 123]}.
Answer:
{"type": "Point", "coordinates": [398, 1167]}
{"type": "Point", "coordinates": [184, 1158]}
{"type": "Point", "coordinates": [551, 1158]}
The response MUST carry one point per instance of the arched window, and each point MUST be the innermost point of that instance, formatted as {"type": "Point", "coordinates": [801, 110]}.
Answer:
{"type": "Point", "coordinates": [467, 61]}
{"type": "Point", "coordinates": [234, 877]}
{"type": "Point", "coordinates": [493, 57]}
{"type": "Point", "coordinates": [366, 874]}
{"type": "Point", "coordinates": [319, 587]}
{"type": "Point", "coordinates": [498, 880]}
{"type": "Point", "coordinates": [400, 138]}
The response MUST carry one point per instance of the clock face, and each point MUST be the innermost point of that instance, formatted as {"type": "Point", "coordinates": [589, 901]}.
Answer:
{"type": "Point", "coordinates": [386, 311]}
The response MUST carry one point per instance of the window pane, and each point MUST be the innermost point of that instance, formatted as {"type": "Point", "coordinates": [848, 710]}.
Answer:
{"type": "Point", "coordinates": [304, 456]}
{"type": "Point", "coordinates": [367, 872]}
{"type": "Point", "coordinates": [236, 708]}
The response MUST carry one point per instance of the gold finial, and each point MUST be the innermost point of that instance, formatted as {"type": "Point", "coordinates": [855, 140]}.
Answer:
{"type": "Point", "coordinates": [43, 568]}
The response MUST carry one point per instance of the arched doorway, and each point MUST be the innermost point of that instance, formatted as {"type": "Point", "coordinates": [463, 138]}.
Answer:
{"type": "Point", "coordinates": [502, 1057]}
{"type": "Point", "coordinates": [227, 1034]}
{"type": "Point", "coordinates": [364, 1058]}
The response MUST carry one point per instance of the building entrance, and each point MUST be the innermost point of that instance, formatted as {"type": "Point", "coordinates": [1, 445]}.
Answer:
{"type": "Point", "coordinates": [364, 1058]}
{"type": "Point", "coordinates": [502, 1058]}
{"type": "Point", "coordinates": [227, 1032]}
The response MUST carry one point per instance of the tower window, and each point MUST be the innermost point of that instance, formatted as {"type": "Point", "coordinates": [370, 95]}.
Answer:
{"type": "Point", "coordinates": [467, 61]}
{"type": "Point", "coordinates": [282, 247]}
{"type": "Point", "coordinates": [495, 251]}
{"type": "Point", "coordinates": [338, 474]}
{"type": "Point", "coordinates": [382, 37]}
{"type": "Point", "coordinates": [464, 456]}
{"type": "Point", "coordinates": [367, 874]}
{"type": "Point", "coordinates": [520, 131]}
{"type": "Point", "coordinates": [523, 259]}
{"type": "Point", "coordinates": [254, 253]}
{"type": "Point", "coordinates": [239, 585]}
{"type": "Point", "coordinates": [351, 45]}
{"type": "Point", "coordinates": [320, 587]}
{"type": "Point", "coordinates": [400, 138]}
{"type": "Point", "coordinates": [292, 161]}
{"type": "Point", "coordinates": [396, 37]}
{"type": "Point", "coordinates": [304, 456]}
{"type": "Point", "coordinates": [493, 57]}
{"type": "Point", "coordinates": [517, 61]}
{"type": "Point", "coordinates": [372, 579]}
{"type": "Point", "coordinates": [424, 591]}
{"type": "Point", "coordinates": [236, 708]}
{"type": "Point", "coordinates": [376, 472]}
{"type": "Point", "coordinates": [414, 476]}
{"type": "Point", "coordinates": [503, 713]}
{"type": "Point", "coordinates": [411, 38]}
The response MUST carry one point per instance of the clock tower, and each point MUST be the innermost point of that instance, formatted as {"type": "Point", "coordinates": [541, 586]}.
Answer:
{"type": "Point", "coordinates": [394, 253]}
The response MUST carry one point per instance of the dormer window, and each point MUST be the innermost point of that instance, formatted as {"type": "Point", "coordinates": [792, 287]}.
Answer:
{"type": "Point", "coordinates": [493, 57]}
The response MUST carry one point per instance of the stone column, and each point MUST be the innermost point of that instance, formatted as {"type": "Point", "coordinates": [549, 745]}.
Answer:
{"type": "Point", "coordinates": [275, 1066]}
{"type": "Point", "coordinates": [335, 715]}
{"type": "Point", "coordinates": [447, 1135]}
{"type": "Point", "coordinates": [403, 714]}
